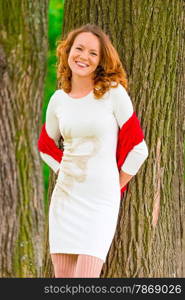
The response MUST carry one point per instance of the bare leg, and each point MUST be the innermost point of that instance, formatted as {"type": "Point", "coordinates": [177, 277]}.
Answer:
{"type": "Point", "coordinates": [88, 266]}
{"type": "Point", "coordinates": [64, 264]}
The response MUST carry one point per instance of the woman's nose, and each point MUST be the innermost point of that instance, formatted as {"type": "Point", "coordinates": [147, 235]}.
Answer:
{"type": "Point", "coordinates": [84, 56]}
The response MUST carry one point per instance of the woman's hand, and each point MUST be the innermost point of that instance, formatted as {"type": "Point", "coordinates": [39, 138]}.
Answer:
{"type": "Point", "coordinates": [124, 178]}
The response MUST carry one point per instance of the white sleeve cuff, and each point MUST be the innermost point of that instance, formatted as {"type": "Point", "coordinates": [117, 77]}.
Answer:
{"type": "Point", "coordinates": [135, 158]}
{"type": "Point", "coordinates": [50, 161]}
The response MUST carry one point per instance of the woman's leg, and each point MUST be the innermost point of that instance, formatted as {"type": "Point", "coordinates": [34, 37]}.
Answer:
{"type": "Point", "coordinates": [64, 264]}
{"type": "Point", "coordinates": [88, 266]}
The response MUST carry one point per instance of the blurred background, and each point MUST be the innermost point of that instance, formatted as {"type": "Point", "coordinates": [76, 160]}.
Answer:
{"type": "Point", "coordinates": [149, 37]}
{"type": "Point", "coordinates": [55, 22]}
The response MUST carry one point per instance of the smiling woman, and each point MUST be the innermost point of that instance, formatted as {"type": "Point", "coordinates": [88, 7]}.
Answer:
{"type": "Point", "coordinates": [81, 52]}
{"type": "Point", "coordinates": [91, 46]}
{"type": "Point", "coordinates": [83, 62]}
{"type": "Point", "coordinates": [89, 109]}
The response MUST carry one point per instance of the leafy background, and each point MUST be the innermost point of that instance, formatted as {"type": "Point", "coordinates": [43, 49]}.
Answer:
{"type": "Point", "coordinates": [55, 22]}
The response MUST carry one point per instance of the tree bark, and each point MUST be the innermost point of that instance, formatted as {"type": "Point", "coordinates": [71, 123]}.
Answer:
{"type": "Point", "coordinates": [23, 52]}
{"type": "Point", "coordinates": [149, 37]}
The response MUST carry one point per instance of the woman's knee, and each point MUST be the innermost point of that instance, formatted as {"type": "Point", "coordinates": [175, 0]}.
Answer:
{"type": "Point", "coordinates": [88, 266]}
{"type": "Point", "coordinates": [64, 264]}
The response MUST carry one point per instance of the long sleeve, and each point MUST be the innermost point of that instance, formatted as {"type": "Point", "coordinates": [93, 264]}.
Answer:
{"type": "Point", "coordinates": [53, 132]}
{"type": "Point", "coordinates": [123, 110]}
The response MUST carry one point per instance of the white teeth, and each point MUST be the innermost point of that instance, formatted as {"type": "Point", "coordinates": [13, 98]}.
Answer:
{"type": "Point", "coordinates": [81, 64]}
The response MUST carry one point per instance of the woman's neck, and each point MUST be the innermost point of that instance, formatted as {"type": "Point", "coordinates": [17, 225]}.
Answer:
{"type": "Point", "coordinates": [81, 85]}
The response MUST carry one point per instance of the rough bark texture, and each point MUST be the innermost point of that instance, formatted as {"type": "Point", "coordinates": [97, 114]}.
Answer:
{"type": "Point", "coordinates": [150, 235]}
{"type": "Point", "coordinates": [23, 53]}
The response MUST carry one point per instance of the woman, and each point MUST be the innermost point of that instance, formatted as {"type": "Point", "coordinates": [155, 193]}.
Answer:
{"type": "Point", "coordinates": [89, 108]}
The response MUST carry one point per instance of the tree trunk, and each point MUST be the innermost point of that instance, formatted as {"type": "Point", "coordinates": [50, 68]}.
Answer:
{"type": "Point", "coordinates": [23, 52]}
{"type": "Point", "coordinates": [149, 240]}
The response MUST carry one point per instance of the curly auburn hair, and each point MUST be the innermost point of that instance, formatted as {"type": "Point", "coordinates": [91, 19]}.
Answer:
{"type": "Point", "coordinates": [109, 70]}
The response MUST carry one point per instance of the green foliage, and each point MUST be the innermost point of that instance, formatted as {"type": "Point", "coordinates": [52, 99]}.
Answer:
{"type": "Point", "coordinates": [55, 21]}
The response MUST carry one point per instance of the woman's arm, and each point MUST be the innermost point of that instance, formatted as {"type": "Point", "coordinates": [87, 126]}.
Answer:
{"type": "Point", "coordinates": [124, 178]}
{"type": "Point", "coordinates": [123, 110]}
{"type": "Point", "coordinates": [52, 129]}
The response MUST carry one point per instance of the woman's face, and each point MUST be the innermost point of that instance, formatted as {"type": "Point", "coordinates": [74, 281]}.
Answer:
{"type": "Point", "coordinates": [84, 55]}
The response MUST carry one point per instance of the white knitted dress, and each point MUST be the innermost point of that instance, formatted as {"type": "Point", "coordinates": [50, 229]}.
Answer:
{"type": "Point", "coordinates": [85, 201]}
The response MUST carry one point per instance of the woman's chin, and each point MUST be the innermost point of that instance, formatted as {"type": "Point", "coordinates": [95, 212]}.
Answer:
{"type": "Point", "coordinates": [81, 74]}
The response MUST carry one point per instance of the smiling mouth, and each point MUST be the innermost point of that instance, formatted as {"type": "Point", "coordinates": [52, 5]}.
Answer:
{"type": "Point", "coordinates": [81, 65]}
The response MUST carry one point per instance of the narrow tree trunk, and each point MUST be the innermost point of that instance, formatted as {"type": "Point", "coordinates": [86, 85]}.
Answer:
{"type": "Point", "coordinates": [23, 52]}
{"type": "Point", "coordinates": [149, 241]}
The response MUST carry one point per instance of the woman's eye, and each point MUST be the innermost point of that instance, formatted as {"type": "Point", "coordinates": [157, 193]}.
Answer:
{"type": "Point", "coordinates": [81, 49]}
